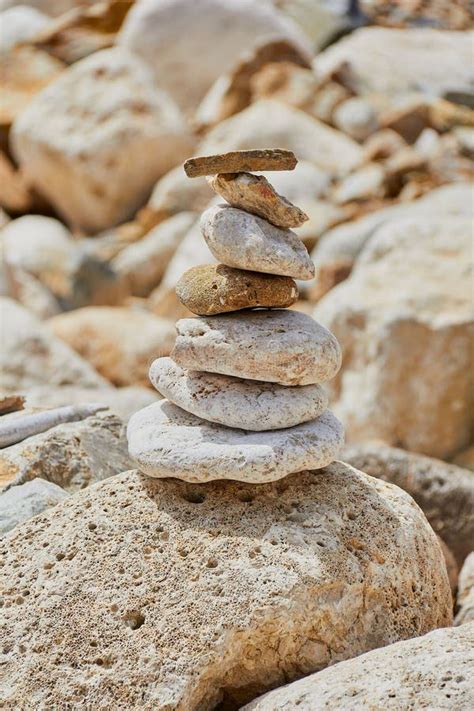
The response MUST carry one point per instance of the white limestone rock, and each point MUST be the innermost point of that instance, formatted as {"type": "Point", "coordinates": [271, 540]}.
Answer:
{"type": "Point", "coordinates": [20, 503]}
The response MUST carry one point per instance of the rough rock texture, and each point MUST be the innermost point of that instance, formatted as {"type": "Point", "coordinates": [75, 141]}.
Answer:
{"type": "Point", "coordinates": [443, 491]}
{"type": "Point", "coordinates": [404, 60]}
{"type": "Point", "coordinates": [246, 241]}
{"type": "Point", "coordinates": [271, 123]}
{"type": "Point", "coordinates": [179, 596]}
{"type": "Point", "coordinates": [72, 455]}
{"type": "Point", "coordinates": [20, 24]}
{"type": "Point", "coordinates": [240, 161]}
{"type": "Point", "coordinates": [256, 195]}
{"type": "Point", "coordinates": [165, 441]}
{"type": "Point", "coordinates": [432, 671]}
{"type": "Point", "coordinates": [143, 263]}
{"type": "Point", "coordinates": [245, 404]}
{"type": "Point", "coordinates": [30, 355]}
{"type": "Point", "coordinates": [284, 347]}
{"type": "Point", "coordinates": [126, 135]}
{"type": "Point", "coordinates": [119, 342]}
{"type": "Point", "coordinates": [20, 503]}
{"type": "Point", "coordinates": [465, 598]}
{"type": "Point", "coordinates": [407, 337]}
{"type": "Point", "coordinates": [215, 289]}
{"type": "Point", "coordinates": [170, 34]}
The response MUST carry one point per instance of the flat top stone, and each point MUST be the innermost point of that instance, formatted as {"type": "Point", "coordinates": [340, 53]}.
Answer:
{"type": "Point", "coordinates": [166, 441]}
{"type": "Point", "coordinates": [255, 194]}
{"type": "Point", "coordinates": [240, 161]}
{"type": "Point", "coordinates": [212, 289]}
{"type": "Point", "coordinates": [235, 402]}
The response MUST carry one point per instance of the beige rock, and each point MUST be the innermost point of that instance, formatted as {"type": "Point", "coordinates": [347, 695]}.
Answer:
{"type": "Point", "coordinates": [407, 335]}
{"type": "Point", "coordinates": [31, 293]}
{"type": "Point", "coordinates": [234, 402]}
{"type": "Point", "coordinates": [255, 194]}
{"type": "Point", "coordinates": [409, 118]}
{"type": "Point", "coordinates": [305, 182]}
{"type": "Point", "coordinates": [20, 24]}
{"type": "Point", "coordinates": [174, 192]}
{"type": "Point", "coordinates": [216, 289]}
{"type": "Point", "coordinates": [119, 342]}
{"type": "Point", "coordinates": [368, 182]}
{"type": "Point", "coordinates": [181, 596]}
{"type": "Point", "coordinates": [244, 241]}
{"type": "Point", "coordinates": [20, 503]}
{"type": "Point", "coordinates": [53, 8]}
{"type": "Point", "coordinates": [451, 566]}
{"type": "Point", "coordinates": [465, 598]}
{"type": "Point", "coordinates": [240, 161]}
{"type": "Point", "coordinates": [431, 671]}
{"type": "Point", "coordinates": [285, 347]}
{"type": "Point", "coordinates": [465, 458]}
{"type": "Point", "coordinates": [383, 144]}
{"type": "Point", "coordinates": [126, 135]}
{"type": "Point", "coordinates": [356, 117]}
{"type": "Point", "coordinates": [30, 355]}
{"type": "Point", "coordinates": [443, 491]}
{"type": "Point", "coordinates": [71, 455]}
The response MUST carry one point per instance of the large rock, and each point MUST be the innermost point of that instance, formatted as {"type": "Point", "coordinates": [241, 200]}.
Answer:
{"type": "Point", "coordinates": [96, 140]}
{"type": "Point", "coordinates": [171, 34]}
{"type": "Point", "coordinates": [433, 672]}
{"type": "Point", "coordinates": [72, 455]}
{"type": "Point", "coordinates": [403, 59]}
{"type": "Point", "coordinates": [443, 491]}
{"type": "Point", "coordinates": [164, 595]}
{"type": "Point", "coordinates": [31, 356]}
{"type": "Point", "coordinates": [20, 24]}
{"type": "Point", "coordinates": [20, 503]}
{"type": "Point", "coordinates": [465, 598]}
{"type": "Point", "coordinates": [267, 124]}
{"type": "Point", "coordinates": [119, 342]}
{"type": "Point", "coordinates": [404, 322]}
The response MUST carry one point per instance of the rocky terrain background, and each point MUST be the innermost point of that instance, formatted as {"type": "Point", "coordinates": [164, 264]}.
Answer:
{"type": "Point", "coordinates": [120, 591]}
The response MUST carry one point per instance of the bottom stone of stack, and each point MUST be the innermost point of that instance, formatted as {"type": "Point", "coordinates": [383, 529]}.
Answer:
{"type": "Point", "coordinates": [166, 441]}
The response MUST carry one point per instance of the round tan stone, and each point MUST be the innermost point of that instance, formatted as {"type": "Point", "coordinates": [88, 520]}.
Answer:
{"type": "Point", "coordinates": [216, 289]}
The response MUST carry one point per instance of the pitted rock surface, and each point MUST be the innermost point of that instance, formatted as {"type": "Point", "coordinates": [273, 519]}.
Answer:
{"type": "Point", "coordinates": [245, 404]}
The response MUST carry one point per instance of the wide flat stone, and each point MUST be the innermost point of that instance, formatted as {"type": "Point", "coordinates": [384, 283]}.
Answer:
{"type": "Point", "coordinates": [239, 239]}
{"type": "Point", "coordinates": [234, 402]}
{"type": "Point", "coordinates": [278, 346]}
{"type": "Point", "coordinates": [166, 441]}
{"type": "Point", "coordinates": [240, 161]}
{"type": "Point", "coordinates": [255, 194]}
{"type": "Point", "coordinates": [216, 289]}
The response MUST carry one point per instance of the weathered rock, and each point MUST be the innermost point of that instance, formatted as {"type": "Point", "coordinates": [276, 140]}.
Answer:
{"type": "Point", "coordinates": [240, 161]}
{"type": "Point", "coordinates": [126, 135]}
{"type": "Point", "coordinates": [409, 118]}
{"type": "Point", "coordinates": [431, 671]}
{"type": "Point", "coordinates": [278, 346]}
{"type": "Point", "coordinates": [71, 455]}
{"type": "Point", "coordinates": [165, 441]}
{"type": "Point", "coordinates": [216, 289]}
{"type": "Point", "coordinates": [270, 123]}
{"type": "Point", "coordinates": [119, 342]}
{"type": "Point", "coordinates": [218, 32]}
{"type": "Point", "coordinates": [407, 335]}
{"type": "Point", "coordinates": [383, 144]}
{"type": "Point", "coordinates": [143, 263]}
{"type": "Point", "coordinates": [31, 356]}
{"type": "Point", "coordinates": [179, 596]}
{"type": "Point", "coordinates": [443, 491]}
{"type": "Point", "coordinates": [234, 402]}
{"type": "Point", "coordinates": [465, 598]}
{"type": "Point", "coordinates": [20, 24]}
{"type": "Point", "coordinates": [31, 293]}
{"type": "Point", "coordinates": [356, 117]}
{"type": "Point", "coordinates": [11, 403]}
{"type": "Point", "coordinates": [245, 241]}
{"type": "Point", "coordinates": [20, 503]}
{"type": "Point", "coordinates": [452, 567]}
{"type": "Point", "coordinates": [255, 194]}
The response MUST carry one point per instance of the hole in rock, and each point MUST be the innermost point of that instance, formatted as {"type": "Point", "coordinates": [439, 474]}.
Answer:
{"type": "Point", "coordinates": [194, 497]}
{"type": "Point", "coordinates": [134, 620]}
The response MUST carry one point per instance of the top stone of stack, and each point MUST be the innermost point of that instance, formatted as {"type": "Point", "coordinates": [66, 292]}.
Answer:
{"type": "Point", "coordinates": [241, 162]}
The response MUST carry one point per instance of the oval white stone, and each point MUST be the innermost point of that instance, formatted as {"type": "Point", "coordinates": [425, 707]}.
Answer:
{"type": "Point", "coordinates": [166, 441]}
{"type": "Point", "coordinates": [244, 404]}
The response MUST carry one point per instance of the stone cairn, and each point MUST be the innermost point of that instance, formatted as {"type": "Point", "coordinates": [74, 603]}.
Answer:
{"type": "Point", "coordinates": [242, 389]}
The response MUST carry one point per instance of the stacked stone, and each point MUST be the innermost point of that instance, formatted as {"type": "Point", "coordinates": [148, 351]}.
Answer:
{"type": "Point", "coordinates": [242, 388]}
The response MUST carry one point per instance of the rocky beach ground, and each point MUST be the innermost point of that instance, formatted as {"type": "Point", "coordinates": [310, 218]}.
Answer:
{"type": "Point", "coordinates": [236, 355]}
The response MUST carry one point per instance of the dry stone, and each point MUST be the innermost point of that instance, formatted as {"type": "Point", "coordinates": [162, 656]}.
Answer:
{"type": "Point", "coordinates": [20, 24]}
{"type": "Point", "coordinates": [278, 346]}
{"type": "Point", "coordinates": [240, 161]}
{"type": "Point", "coordinates": [174, 192]}
{"type": "Point", "coordinates": [465, 598]}
{"type": "Point", "coordinates": [180, 597]}
{"type": "Point", "coordinates": [235, 402]}
{"type": "Point", "coordinates": [20, 503]}
{"type": "Point", "coordinates": [356, 117]}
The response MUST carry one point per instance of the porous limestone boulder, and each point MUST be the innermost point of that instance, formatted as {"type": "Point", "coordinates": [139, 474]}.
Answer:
{"type": "Point", "coordinates": [443, 491]}
{"type": "Point", "coordinates": [31, 356]}
{"type": "Point", "coordinates": [97, 139]}
{"type": "Point", "coordinates": [432, 671]}
{"type": "Point", "coordinates": [465, 597]}
{"type": "Point", "coordinates": [169, 35]}
{"type": "Point", "coordinates": [20, 503]}
{"type": "Point", "coordinates": [119, 342]}
{"type": "Point", "coordinates": [179, 596]}
{"type": "Point", "coordinates": [404, 321]}
{"type": "Point", "coordinates": [20, 24]}
{"type": "Point", "coordinates": [71, 455]}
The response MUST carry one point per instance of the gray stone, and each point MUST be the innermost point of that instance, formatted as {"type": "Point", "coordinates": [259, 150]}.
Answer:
{"type": "Point", "coordinates": [20, 503]}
